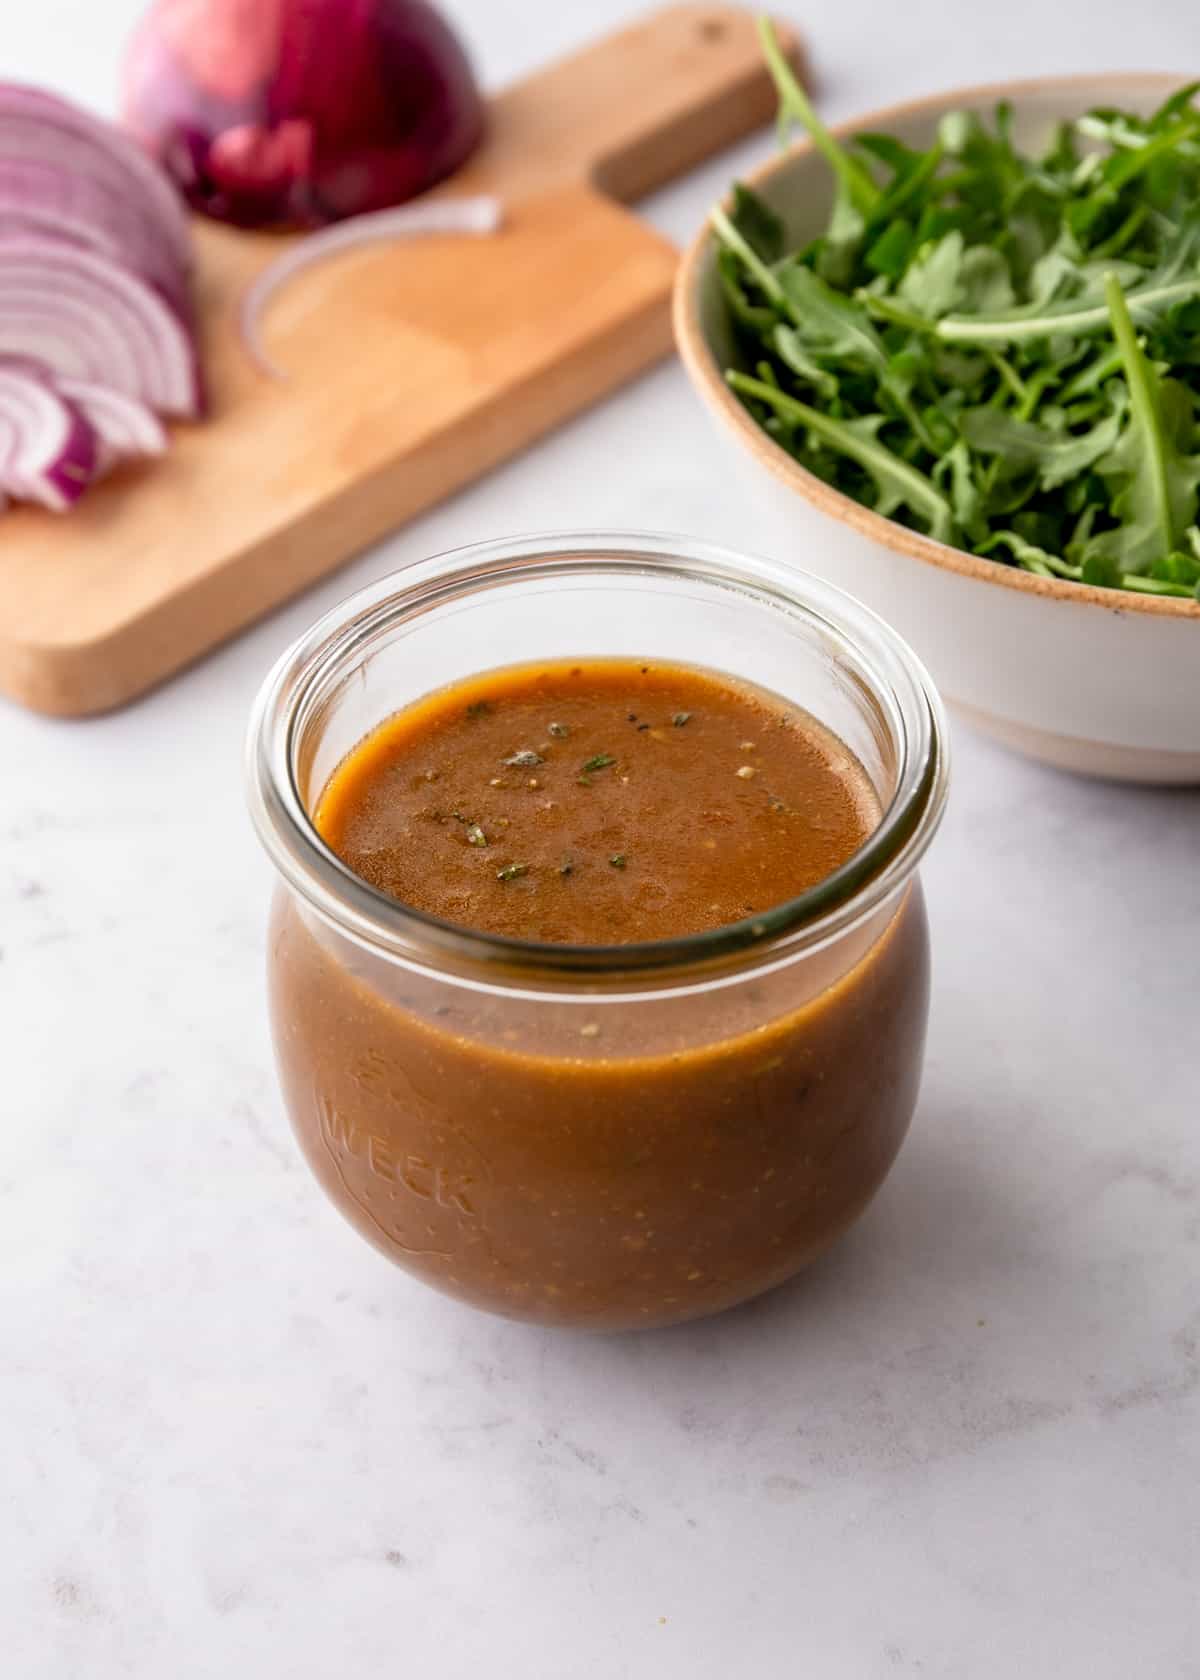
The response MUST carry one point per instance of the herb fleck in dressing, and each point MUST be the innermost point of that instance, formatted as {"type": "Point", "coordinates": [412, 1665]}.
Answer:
{"type": "Point", "coordinates": [644, 820]}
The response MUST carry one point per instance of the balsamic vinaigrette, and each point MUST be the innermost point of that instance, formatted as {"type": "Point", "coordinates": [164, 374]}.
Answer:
{"type": "Point", "coordinates": [601, 1153]}
{"type": "Point", "coordinates": [597, 802]}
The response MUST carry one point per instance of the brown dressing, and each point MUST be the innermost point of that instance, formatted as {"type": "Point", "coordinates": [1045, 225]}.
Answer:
{"type": "Point", "coordinates": [597, 804]}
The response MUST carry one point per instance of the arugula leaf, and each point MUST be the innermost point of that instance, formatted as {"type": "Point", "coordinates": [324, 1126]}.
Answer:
{"type": "Point", "coordinates": [1029, 556]}
{"type": "Point", "coordinates": [912, 173]}
{"type": "Point", "coordinates": [838, 328]}
{"type": "Point", "coordinates": [756, 318]}
{"type": "Point", "coordinates": [1058, 456]}
{"type": "Point", "coordinates": [828, 319]}
{"type": "Point", "coordinates": [892, 252]}
{"type": "Point", "coordinates": [837, 251]}
{"type": "Point", "coordinates": [1174, 106]}
{"type": "Point", "coordinates": [984, 281]}
{"type": "Point", "coordinates": [954, 473]}
{"type": "Point", "coordinates": [898, 484]}
{"type": "Point", "coordinates": [932, 284]}
{"type": "Point", "coordinates": [902, 160]}
{"type": "Point", "coordinates": [789, 346]}
{"type": "Point", "coordinates": [736, 242]}
{"type": "Point", "coordinates": [757, 223]}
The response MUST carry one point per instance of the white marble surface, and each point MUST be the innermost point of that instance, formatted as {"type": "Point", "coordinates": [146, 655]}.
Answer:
{"type": "Point", "coordinates": [234, 1442]}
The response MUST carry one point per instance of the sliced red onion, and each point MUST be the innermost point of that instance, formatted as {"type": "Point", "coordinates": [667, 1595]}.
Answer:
{"type": "Point", "coordinates": [47, 448]}
{"type": "Point", "coordinates": [43, 199]}
{"type": "Point", "coordinates": [410, 221]}
{"type": "Point", "coordinates": [95, 308]}
{"type": "Point", "coordinates": [82, 316]}
{"type": "Point", "coordinates": [125, 428]}
{"type": "Point", "coordinates": [25, 364]}
{"type": "Point", "coordinates": [40, 127]}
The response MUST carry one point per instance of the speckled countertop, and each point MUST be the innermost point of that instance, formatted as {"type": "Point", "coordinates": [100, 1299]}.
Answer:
{"type": "Point", "coordinates": [234, 1442]}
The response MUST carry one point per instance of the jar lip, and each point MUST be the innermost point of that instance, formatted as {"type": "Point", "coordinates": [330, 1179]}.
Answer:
{"type": "Point", "coordinates": [877, 870]}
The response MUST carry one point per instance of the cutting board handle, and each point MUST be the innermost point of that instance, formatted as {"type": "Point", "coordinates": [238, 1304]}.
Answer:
{"type": "Point", "coordinates": [642, 106]}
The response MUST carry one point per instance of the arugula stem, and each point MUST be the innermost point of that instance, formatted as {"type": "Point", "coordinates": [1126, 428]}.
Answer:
{"type": "Point", "coordinates": [745, 252]}
{"type": "Point", "coordinates": [1063, 568]}
{"type": "Point", "coordinates": [1034, 391]}
{"type": "Point", "coordinates": [1116, 242]}
{"type": "Point", "coordinates": [1115, 133]}
{"type": "Point", "coordinates": [795, 103]}
{"type": "Point", "coordinates": [1136, 162]}
{"type": "Point", "coordinates": [894, 199]}
{"type": "Point", "coordinates": [908, 409]}
{"type": "Point", "coordinates": [1095, 374]}
{"type": "Point", "coordinates": [1008, 375]}
{"type": "Point", "coordinates": [887, 309]}
{"type": "Point", "coordinates": [1019, 329]}
{"type": "Point", "coordinates": [1032, 559]}
{"type": "Point", "coordinates": [1143, 395]}
{"type": "Point", "coordinates": [1157, 586]}
{"type": "Point", "coordinates": [918, 490]}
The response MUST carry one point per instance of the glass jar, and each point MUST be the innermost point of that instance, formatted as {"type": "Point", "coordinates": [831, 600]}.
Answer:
{"type": "Point", "coordinates": [608, 1136]}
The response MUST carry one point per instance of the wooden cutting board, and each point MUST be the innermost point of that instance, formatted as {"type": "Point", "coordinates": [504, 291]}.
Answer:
{"type": "Point", "coordinates": [411, 369]}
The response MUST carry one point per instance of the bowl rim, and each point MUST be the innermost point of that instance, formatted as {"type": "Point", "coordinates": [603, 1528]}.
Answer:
{"type": "Point", "coordinates": [706, 375]}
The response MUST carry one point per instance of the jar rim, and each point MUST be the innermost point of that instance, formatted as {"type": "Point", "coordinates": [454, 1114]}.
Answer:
{"type": "Point", "coordinates": [879, 868]}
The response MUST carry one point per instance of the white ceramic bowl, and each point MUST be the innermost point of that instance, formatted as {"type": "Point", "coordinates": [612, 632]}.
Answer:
{"type": "Point", "coordinates": [1101, 681]}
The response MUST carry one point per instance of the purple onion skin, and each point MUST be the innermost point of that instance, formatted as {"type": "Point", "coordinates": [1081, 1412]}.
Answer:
{"type": "Point", "coordinates": [70, 474]}
{"type": "Point", "coordinates": [295, 113]}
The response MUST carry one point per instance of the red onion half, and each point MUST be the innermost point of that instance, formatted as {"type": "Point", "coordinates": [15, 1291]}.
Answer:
{"type": "Point", "coordinates": [293, 113]}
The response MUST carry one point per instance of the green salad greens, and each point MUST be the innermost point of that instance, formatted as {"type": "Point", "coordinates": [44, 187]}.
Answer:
{"type": "Point", "coordinates": [998, 350]}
